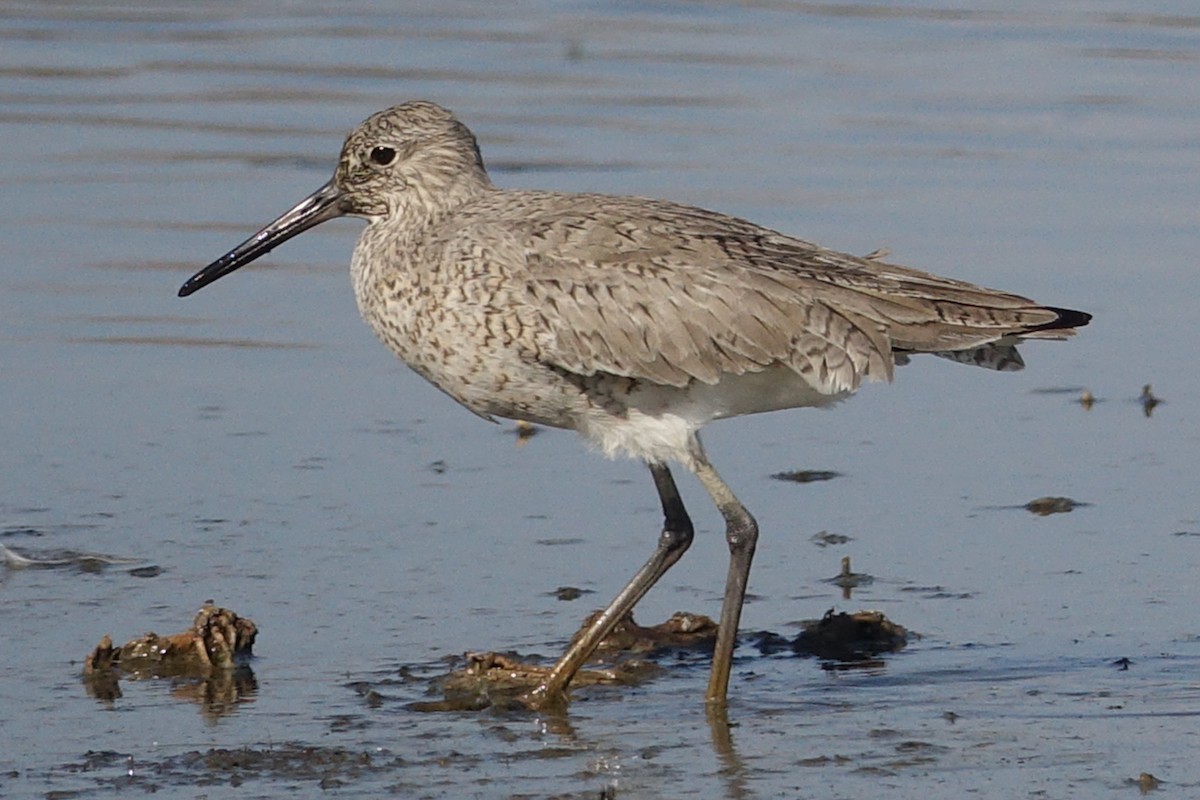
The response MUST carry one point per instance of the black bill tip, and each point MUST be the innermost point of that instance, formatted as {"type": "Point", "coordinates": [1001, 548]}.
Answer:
{"type": "Point", "coordinates": [323, 204]}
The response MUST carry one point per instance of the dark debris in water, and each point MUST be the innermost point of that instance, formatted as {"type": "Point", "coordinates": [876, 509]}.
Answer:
{"type": "Point", "coordinates": [848, 579]}
{"type": "Point", "coordinates": [1045, 506]}
{"type": "Point", "coordinates": [498, 680]}
{"type": "Point", "coordinates": [850, 638]}
{"type": "Point", "coordinates": [212, 654]}
{"type": "Point", "coordinates": [569, 593]}
{"type": "Point", "coordinates": [1149, 400]}
{"type": "Point", "coordinates": [623, 658]}
{"type": "Point", "coordinates": [806, 475]}
{"type": "Point", "coordinates": [634, 654]}
{"type": "Point", "coordinates": [938, 593]}
{"type": "Point", "coordinates": [683, 631]}
{"type": "Point", "coordinates": [525, 431]}
{"type": "Point", "coordinates": [1058, 390]}
{"type": "Point", "coordinates": [1147, 783]}
{"type": "Point", "coordinates": [827, 539]}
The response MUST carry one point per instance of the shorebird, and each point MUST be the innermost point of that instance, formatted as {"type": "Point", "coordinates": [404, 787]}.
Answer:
{"type": "Point", "coordinates": [632, 321]}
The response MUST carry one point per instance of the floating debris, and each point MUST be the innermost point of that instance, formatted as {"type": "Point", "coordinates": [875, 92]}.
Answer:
{"type": "Point", "coordinates": [499, 679]}
{"type": "Point", "coordinates": [826, 539]}
{"type": "Point", "coordinates": [569, 593]}
{"type": "Point", "coordinates": [525, 431]}
{"type": "Point", "coordinates": [206, 664]}
{"type": "Point", "coordinates": [1147, 782]}
{"type": "Point", "coordinates": [848, 579]}
{"type": "Point", "coordinates": [683, 631]}
{"type": "Point", "coordinates": [1148, 400]}
{"type": "Point", "coordinates": [806, 475]}
{"type": "Point", "coordinates": [1059, 390]}
{"type": "Point", "coordinates": [217, 639]}
{"type": "Point", "coordinates": [938, 593]}
{"type": "Point", "coordinates": [496, 679]}
{"type": "Point", "coordinates": [856, 637]}
{"type": "Point", "coordinates": [1045, 506]}
{"type": "Point", "coordinates": [1087, 400]}
{"type": "Point", "coordinates": [627, 656]}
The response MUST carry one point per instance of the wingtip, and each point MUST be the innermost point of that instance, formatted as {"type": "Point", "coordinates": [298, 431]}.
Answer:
{"type": "Point", "coordinates": [1067, 318]}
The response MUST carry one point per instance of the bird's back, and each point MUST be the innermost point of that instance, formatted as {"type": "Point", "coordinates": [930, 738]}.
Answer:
{"type": "Point", "coordinates": [675, 295]}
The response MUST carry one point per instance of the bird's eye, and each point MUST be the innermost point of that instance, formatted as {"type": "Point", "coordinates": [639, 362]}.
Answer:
{"type": "Point", "coordinates": [383, 155]}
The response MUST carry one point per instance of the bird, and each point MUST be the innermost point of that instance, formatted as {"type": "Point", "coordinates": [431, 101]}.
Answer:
{"type": "Point", "coordinates": [631, 320]}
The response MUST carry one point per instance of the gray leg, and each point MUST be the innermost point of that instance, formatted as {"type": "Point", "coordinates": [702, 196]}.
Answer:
{"type": "Point", "coordinates": [675, 539]}
{"type": "Point", "coordinates": [741, 532]}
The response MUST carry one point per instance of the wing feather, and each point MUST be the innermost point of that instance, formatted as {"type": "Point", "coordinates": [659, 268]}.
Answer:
{"type": "Point", "coordinates": [672, 294]}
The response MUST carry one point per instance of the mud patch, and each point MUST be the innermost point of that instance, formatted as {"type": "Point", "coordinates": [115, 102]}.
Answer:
{"type": "Point", "coordinates": [289, 765]}
{"type": "Point", "coordinates": [634, 654]}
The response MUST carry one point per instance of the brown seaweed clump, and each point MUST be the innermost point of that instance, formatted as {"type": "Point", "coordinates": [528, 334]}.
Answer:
{"type": "Point", "coordinates": [498, 679]}
{"type": "Point", "coordinates": [217, 639]}
{"type": "Point", "coordinates": [206, 663]}
{"type": "Point", "coordinates": [682, 631]}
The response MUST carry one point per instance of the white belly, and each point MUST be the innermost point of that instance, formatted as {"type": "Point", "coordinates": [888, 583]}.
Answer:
{"type": "Point", "coordinates": [659, 420]}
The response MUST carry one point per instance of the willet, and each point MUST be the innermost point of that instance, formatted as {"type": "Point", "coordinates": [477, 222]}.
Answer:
{"type": "Point", "coordinates": [632, 321]}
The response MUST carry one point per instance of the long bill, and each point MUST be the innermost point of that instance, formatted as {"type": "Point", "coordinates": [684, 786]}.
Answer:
{"type": "Point", "coordinates": [322, 205]}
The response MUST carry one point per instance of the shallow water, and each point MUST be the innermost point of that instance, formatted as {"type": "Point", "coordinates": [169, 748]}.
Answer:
{"type": "Point", "coordinates": [258, 447]}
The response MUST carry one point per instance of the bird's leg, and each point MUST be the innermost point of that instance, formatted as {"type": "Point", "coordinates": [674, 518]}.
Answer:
{"type": "Point", "coordinates": [741, 532]}
{"type": "Point", "coordinates": [674, 540]}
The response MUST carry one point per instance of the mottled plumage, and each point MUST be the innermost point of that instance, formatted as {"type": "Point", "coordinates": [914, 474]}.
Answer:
{"type": "Point", "coordinates": [633, 321]}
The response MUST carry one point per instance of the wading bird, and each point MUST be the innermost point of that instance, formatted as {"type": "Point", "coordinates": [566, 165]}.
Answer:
{"type": "Point", "coordinates": [632, 321]}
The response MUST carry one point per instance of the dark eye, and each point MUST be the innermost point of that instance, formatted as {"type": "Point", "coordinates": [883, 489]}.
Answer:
{"type": "Point", "coordinates": [383, 155]}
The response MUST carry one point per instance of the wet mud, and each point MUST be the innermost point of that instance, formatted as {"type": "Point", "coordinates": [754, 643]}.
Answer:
{"type": "Point", "coordinates": [633, 655]}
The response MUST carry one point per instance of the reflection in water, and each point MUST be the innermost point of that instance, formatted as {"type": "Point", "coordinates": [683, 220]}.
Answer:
{"type": "Point", "coordinates": [217, 695]}
{"type": "Point", "coordinates": [732, 770]}
{"type": "Point", "coordinates": [848, 580]}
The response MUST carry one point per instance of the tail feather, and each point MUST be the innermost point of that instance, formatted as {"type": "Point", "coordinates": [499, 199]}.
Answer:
{"type": "Point", "coordinates": [1068, 320]}
{"type": "Point", "coordinates": [1001, 354]}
